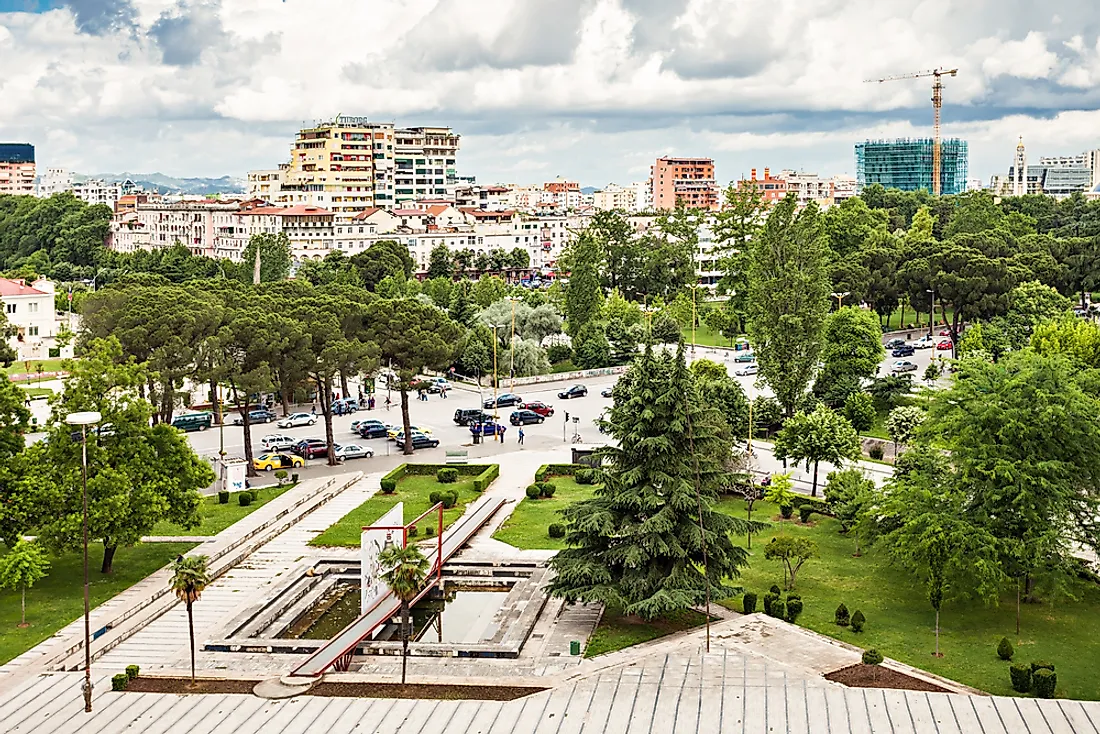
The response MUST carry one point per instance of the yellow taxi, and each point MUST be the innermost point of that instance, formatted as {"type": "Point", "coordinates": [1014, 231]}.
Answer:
{"type": "Point", "coordinates": [392, 431]}
{"type": "Point", "coordinates": [271, 462]}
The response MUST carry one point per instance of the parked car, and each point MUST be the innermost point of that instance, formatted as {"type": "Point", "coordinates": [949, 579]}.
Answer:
{"type": "Point", "coordinates": [944, 344]}
{"type": "Point", "coordinates": [294, 420]}
{"type": "Point", "coordinates": [438, 384]}
{"type": "Point", "coordinates": [895, 343]}
{"type": "Point", "coordinates": [191, 422]}
{"type": "Point", "coordinates": [577, 391]}
{"type": "Point", "coordinates": [352, 451]}
{"type": "Point", "coordinates": [605, 393]}
{"type": "Point", "coordinates": [259, 415]}
{"type": "Point", "coordinates": [945, 332]}
{"type": "Point", "coordinates": [419, 441]}
{"type": "Point", "coordinates": [312, 448]}
{"type": "Point", "coordinates": [373, 429]}
{"type": "Point", "coordinates": [905, 350]}
{"type": "Point", "coordinates": [903, 365]}
{"type": "Point", "coordinates": [466, 416]}
{"type": "Point", "coordinates": [745, 357]}
{"type": "Point", "coordinates": [541, 408]}
{"type": "Point", "coordinates": [524, 417]}
{"type": "Point", "coordinates": [746, 371]}
{"type": "Point", "coordinates": [343, 406]}
{"type": "Point", "coordinates": [271, 462]}
{"type": "Point", "coordinates": [392, 431]}
{"type": "Point", "coordinates": [923, 343]}
{"type": "Point", "coordinates": [504, 400]}
{"type": "Point", "coordinates": [278, 442]}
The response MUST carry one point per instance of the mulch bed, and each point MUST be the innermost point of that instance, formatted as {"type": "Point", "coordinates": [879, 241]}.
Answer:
{"type": "Point", "coordinates": [876, 676]}
{"type": "Point", "coordinates": [143, 684]}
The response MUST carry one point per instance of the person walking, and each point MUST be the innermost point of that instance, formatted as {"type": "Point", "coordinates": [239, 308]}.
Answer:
{"type": "Point", "coordinates": [501, 430]}
{"type": "Point", "coordinates": [475, 430]}
{"type": "Point", "coordinates": [521, 436]}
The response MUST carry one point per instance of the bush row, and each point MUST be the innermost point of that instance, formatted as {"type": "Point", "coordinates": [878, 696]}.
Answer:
{"type": "Point", "coordinates": [539, 490]}
{"type": "Point", "coordinates": [843, 619]}
{"type": "Point", "coordinates": [120, 681]}
{"type": "Point", "coordinates": [483, 474]}
{"type": "Point", "coordinates": [1038, 678]}
{"type": "Point", "coordinates": [548, 470]}
{"type": "Point", "coordinates": [448, 498]}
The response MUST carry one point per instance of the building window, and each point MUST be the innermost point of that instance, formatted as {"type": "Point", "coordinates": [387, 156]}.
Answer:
{"type": "Point", "coordinates": [32, 307]}
{"type": "Point", "coordinates": [32, 330]}
{"type": "Point", "coordinates": [9, 307]}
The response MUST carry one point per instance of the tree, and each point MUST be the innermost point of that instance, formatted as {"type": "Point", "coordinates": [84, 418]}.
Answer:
{"type": "Point", "coordinates": [852, 349]}
{"type": "Point", "coordinates": [529, 358]}
{"type": "Point", "coordinates": [620, 253]}
{"type": "Point", "coordinates": [22, 568]}
{"type": "Point", "coordinates": [847, 492]}
{"type": "Point", "coordinates": [1031, 304]}
{"type": "Point", "coordinates": [411, 336]}
{"type": "Point", "coordinates": [406, 569]}
{"type": "Point", "coordinates": [850, 224]}
{"type": "Point", "coordinates": [649, 540]}
{"type": "Point", "coordinates": [1071, 337]}
{"type": "Point", "coordinates": [591, 349]}
{"type": "Point", "coordinates": [488, 289]}
{"type": "Point", "coordinates": [274, 257]}
{"type": "Point", "coordinates": [439, 290]}
{"type": "Point", "coordinates": [190, 577]}
{"type": "Point", "coordinates": [780, 490]}
{"type": "Point", "coordinates": [792, 553]}
{"type": "Point", "coordinates": [902, 424]}
{"type": "Point", "coordinates": [815, 437]}
{"type": "Point", "coordinates": [542, 321]}
{"type": "Point", "coordinates": [138, 474]}
{"type": "Point", "coordinates": [383, 258]}
{"type": "Point", "coordinates": [859, 409]}
{"type": "Point", "coordinates": [462, 308]}
{"type": "Point", "coordinates": [440, 263]}
{"type": "Point", "coordinates": [789, 299]}
{"type": "Point", "coordinates": [477, 354]}
{"type": "Point", "coordinates": [583, 297]}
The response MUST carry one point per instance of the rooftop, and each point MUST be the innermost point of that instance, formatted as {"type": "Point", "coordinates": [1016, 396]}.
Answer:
{"type": "Point", "coordinates": [10, 287]}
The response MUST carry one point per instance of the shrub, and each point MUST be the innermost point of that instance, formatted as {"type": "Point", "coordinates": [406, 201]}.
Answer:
{"type": "Point", "coordinates": [769, 600]}
{"type": "Point", "coordinates": [1021, 677]}
{"type": "Point", "coordinates": [389, 486]}
{"type": "Point", "coordinates": [118, 682]}
{"type": "Point", "coordinates": [244, 498]}
{"type": "Point", "coordinates": [389, 481]}
{"type": "Point", "coordinates": [775, 590]}
{"type": "Point", "coordinates": [1041, 665]}
{"type": "Point", "coordinates": [294, 478]}
{"type": "Point", "coordinates": [804, 512]}
{"type": "Point", "coordinates": [542, 472]}
{"type": "Point", "coordinates": [585, 476]}
{"type": "Point", "coordinates": [413, 531]}
{"type": "Point", "coordinates": [556, 531]}
{"type": "Point", "coordinates": [842, 617]}
{"type": "Point", "coordinates": [447, 475]}
{"type": "Point", "coordinates": [1005, 650]}
{"type": "Point", "coordinates": [429, 530]}
{"type": "Point", "coordinates": [748, 602]}
{"type": "Point", "coordinates": [485, 478]}
{"type": "Point", "coordinates": [449, 499]}
{"type": "Point", "coordinates": [533, 492]}
{"type": "Point", "coordinates": [875, 451]}
{"type": "Point", "coordinates": [858, 620]}
{"type": "Point", "coordinates": [786, 511]}
{"type": "Point", "coordinates": [132, 671]}
{"type": "Point", "coordinates": [223, 497]}
{"type": "Point", "coordinates": [281, 476]}
{"type": "Point", "coordinates": [794, 608]}
{"type": "Point", "coordinates": [779, 609]}
{"type": "Point", "coordinates": [872, 657]}
{"type": "Point", "coordinates": [1043, 682]}
{"type": "Point", "coordinates": [435, 497]}
{"type": "Point", "coordinates": [547, 489]}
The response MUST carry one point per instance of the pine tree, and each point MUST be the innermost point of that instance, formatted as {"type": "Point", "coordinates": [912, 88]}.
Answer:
{"type": "Point", "coordinates": [462, 308]}
{"type": "Point", "coordinates": [636, 544]}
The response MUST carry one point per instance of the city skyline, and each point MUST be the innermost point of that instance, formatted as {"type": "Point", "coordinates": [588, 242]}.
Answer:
{"type": "Point", "coordinates": [592, 90]}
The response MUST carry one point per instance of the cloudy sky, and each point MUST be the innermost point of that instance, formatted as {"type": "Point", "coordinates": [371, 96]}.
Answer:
{"type": "Point", "coordinates": [589, 89]}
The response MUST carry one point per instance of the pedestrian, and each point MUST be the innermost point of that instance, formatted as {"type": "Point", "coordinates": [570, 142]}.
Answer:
{"type": "Point", "coordinates": [475, 430]}
{"type": "Point", "coordinates": [315, 407]}
{"type": "Point", "coordinates": [443, 393]}
{"type": "Point", "coordinates": [370, 403]}
{"type": "Point", "coordinates": [521, 436]}
{"type": "Point", "coordinates": [501, 429]}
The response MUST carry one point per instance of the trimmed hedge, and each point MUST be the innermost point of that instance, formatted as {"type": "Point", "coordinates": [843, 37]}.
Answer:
{"type": "Point", "coordinates": [449, 499]}
{"type": "Point", "coordinates": [533, 492]}
{"type": "Point", "coordinates": [118, 682]}
{"type": "Point", "coordinates": [804, 512]}
{"type": "Point", "coordinates": [244, 499]}
{"type": "Point", "coordinates": [1044, 681]}
{"type": "Point", "coordinates": [546, 489]}
{"type": "Point", "coordinates": [858, 620]}
{"type": "Point", "coordinates": [1021, 677]}
{"type": "Point", "coordinates": [483, 474]}
{"type": "Point", "coordinates": [1005, 650]}
{"type": "Point", "coordinates": [485, 478]}
{"type": "Point", "coordinates": [223, 497]}
{"type": "Point", "coordinates": [549, 470]}
{"type": "Point", "coordinates": [842, 617]}
{"type": "Point", "coordinates": [748, 602]}
{"type": "Point", "coordinates": [585, 476]}
{"type": "Point", "coordinates": [132, 671]}
{"type": "Point", "coordinates": [794, 608]}
{"type": "Point", "coordinates": [446, 475]}
{"type": "Point", "coordinates": [556, 531]}
{"type": "Point", "coordinates": [872, 657]}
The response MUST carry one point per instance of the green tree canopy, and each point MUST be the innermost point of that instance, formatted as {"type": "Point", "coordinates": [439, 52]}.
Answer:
{"type": "Point", "coordinates": [274, 257]}
{"type": "Point", "coordinates": [815, 437]}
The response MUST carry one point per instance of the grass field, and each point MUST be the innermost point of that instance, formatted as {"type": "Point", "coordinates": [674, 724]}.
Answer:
{"type": "Point", "coordinates": [900, 621]}
{"type": "Point", "coordinates": [413, 491]}
{"type": "Point", "coordinates": [58, 599]}
{"type": "Point", "coordinates": [617, 631]}
{"type": "Point", "coordinates": [20, 366]}
{"type": "Point", "coordinates": [34, 392]}
{"type": "Point", "coordinates": [217, 517]}
{"type": "Point", "coordinates": [526, 527]}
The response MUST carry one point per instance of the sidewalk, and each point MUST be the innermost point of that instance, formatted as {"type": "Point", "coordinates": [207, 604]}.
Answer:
{"type": "Point", "coordinates": [764, 462]}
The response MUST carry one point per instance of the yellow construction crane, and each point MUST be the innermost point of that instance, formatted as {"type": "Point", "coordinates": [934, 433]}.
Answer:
{"type": "Point", "coordinates": [937, 103]}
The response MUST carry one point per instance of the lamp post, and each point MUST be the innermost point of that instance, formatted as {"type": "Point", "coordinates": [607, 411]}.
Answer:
{"type": "Point", "coordinates": [85, 419]}
{"type": "Point", "coordinates": [494, 327]}
{"type": "Point", "coordinates": [931, 310]}
{"type": "Point", "coordinates": [512, 348]}
{"type": "Point", "coordinates": [840, 299]}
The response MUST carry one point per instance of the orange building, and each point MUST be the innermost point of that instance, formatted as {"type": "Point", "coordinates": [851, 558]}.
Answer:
{"type": "Point", "coordinates": [686, 181]}
{"type": "Point", "coordinates": [17, 171]}
{"type": "Point", "coordinates": [772, 189]}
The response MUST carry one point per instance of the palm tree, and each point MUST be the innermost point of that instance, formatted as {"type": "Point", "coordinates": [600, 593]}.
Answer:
{"type": "Point", "coordinates": [189, 580]}
{"type": "Point", "coordinates": [407, 571]}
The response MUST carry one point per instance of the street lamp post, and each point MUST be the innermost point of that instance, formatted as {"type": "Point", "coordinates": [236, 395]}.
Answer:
{"type": "Point", "coordinates": [494, 327]}
{"type": "Point", "coordinates": [85, 419]}
{"type": "Point", "coordinates": [840, 299]}
{"type": "Point", "coordinates": [931, 310]}
{"type": "Point", "coordinates": [512, 348]}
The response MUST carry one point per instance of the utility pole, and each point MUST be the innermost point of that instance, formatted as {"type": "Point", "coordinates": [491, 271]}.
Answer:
{"type": "Point", "coordinates": [256, 267]}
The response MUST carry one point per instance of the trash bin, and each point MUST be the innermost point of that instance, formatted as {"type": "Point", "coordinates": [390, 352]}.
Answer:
{"type": "Point", "coordinates": [574, 647]}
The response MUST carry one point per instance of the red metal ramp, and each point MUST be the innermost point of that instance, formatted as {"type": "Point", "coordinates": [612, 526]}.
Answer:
{"type": "Point", "coordinates": [339, 650]}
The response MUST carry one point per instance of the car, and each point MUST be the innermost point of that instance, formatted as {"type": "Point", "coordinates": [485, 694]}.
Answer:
{"type": "Point", "coordinates": [945, 332]}
{"type": "Point", "coordinates": [746, 371]}
{"type": "Point", "coordinates": [354, 427]}
{"type": "Point", "coordinates": [259, 415]}
{"type": "Point", "coordinates": [903, 365]}
{"type": "Point", "coordinates": [923, 343]}
{"type": "Point", "coordinates": [745, 357]}
{"type": "Point", "coordinates": [438, 384]}
{"type": "Point", "coordinates": [894, 343]}
{"type": "Point", "coordinates": [541, 408]}
{"type": "Point", "coordinates": [486, 427]}
{"type": "Point", "coordinates": [271, 462]}
{"type": "Point", "coordinates": [368, 429]}
{"type": "Point", "coordinates": [295, 420]}
{"type": "Point", "coordinates": [420, 441]}
{"type": "Point", "coordinates": [577, 391]}
{"type": "Point", "coordinates": [190, 422]}
{"type": "Point", "coordinates": [278, 442]}
{"type": "Point", "coordinates": [466, 416]}
{"type": "Point", "coordinates": [905, 350]}
{"type": "Point", "coordinates": [392, 431]}
{"type": "Point", "coordinates": [312, 448]}
{"type": "Point", "coordinates": [944, 344]}
{"type": "Point", "coordinates": [605, 393]}
{"type": "Point", "coordinates": [504, 400]}
{"type": "Point", "coordinates": [353, 451]}
{"type": "Point", "coordinates": [524, 417]}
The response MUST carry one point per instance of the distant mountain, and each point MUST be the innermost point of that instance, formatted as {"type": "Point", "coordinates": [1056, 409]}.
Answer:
{"type": "Point", "coordinates": [171, 185]}
{"type": "Point", "coordinates": [589, 190]}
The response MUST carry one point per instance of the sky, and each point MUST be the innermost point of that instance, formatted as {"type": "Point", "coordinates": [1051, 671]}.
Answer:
{"type": "Point", "coordinates": [591, 90]}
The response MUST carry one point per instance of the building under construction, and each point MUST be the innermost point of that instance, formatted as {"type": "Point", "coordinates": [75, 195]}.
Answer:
{"type": "Point", "coordinates": [906, 164]}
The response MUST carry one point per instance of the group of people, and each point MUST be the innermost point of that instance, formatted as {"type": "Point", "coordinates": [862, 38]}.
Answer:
{"type": "Point", "coordinates": [482, 431]}
{"type": "Point", "coordinates": [422, 393]}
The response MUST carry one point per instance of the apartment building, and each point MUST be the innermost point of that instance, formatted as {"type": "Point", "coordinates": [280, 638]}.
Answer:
{"type": "Point", "coordinates": [615, 197]}
{"type": "Point", "coordinates": [425, 163]}
{"type": "Point", "coordinates": [55, 181]}
{"type": "Point", "coordinates": [807, 187]}
{"type": "Point", "coordinates": [685, 182]}
{"type": "Point", "coordinates": [489, 198]}
{"type": "Point", "coordinates": [772, 189]}
{"type": "Point", "coordinates": [17, 169]}
{"type": "Point", "coordinates": [29, 307]}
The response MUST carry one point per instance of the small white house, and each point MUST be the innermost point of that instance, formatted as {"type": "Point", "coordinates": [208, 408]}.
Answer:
{"type": "Point", "coordinates": [30, 309]}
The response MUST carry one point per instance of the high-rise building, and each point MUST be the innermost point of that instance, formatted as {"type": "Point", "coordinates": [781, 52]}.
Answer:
{"type": "Point", "coordinates": [17, 168]}
{"type": "Point", "coordinates": [771, 189]}
{"type": "Point", "coordinates": [1019, 175]}
{"type": "Point", "coordinates": [1057, 176]}
{"type": "Point", "coordinates": [615, 197]}
{"type": "Point", "coordinates": [906, 164]}
{"type": "Point", "coordinates": [685, 182]}
{"type": "Point", "coordinates": [424, 163]}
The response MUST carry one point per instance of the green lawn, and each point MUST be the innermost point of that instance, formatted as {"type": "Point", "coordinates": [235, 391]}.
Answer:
{"type": "Point", "coordinates": [217, 517]}
{"type": "Point", "coordinates": [526, 527]}
{"type": "Point", "coordinates": [911, 317]}
{"type": "Point", "coordinates": [617, 631]}
{"type": "Point", "coordinates": [413, 491]}
{"type": "Point", "coordinates": [900, 621]}
{"type": "Point", "coordinates": [706, 337]}
{"type": "Point", "coordinates": [34, 392]}
{"type": "Point", "coordinates": [48, 365]}
{"type": "Point", "coordinates": [58, 599]}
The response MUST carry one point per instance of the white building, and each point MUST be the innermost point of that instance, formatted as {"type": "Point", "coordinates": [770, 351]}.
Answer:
{"type": "Point", "coordinates": [55, 181]}
{"type": "Point", "coordinates": [97, 191]}
{"type": "Point", "coordinates": [643, 195]}
{"type": "Point", "coordinates": [808, 187]}
{"type": "Point", "coordinates": [30, 309]}
{"type": "Point", "coordinates": [615, 197]}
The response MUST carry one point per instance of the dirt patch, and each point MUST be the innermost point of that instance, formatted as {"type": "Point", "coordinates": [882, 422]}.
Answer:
{"type": "Point", "coordinates": [143, 684]}
{"type": "Point", "coordinates": [876, 676]}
